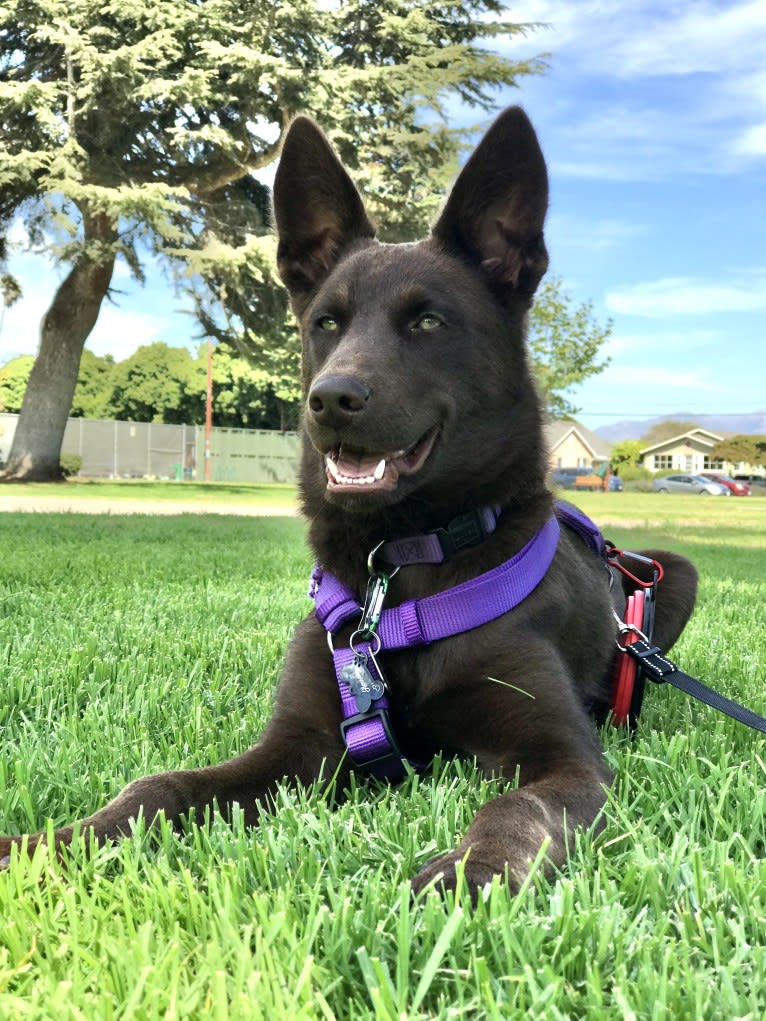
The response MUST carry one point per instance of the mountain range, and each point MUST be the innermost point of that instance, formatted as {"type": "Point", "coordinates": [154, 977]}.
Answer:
{"type": "Point", "coordinates": [632, 429]}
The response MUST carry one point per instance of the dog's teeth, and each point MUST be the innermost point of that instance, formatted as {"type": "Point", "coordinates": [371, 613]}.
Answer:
{"type": "Point", "coordinates": [332, 467]}
{"type": "Point", "coordinates": [380, 470]}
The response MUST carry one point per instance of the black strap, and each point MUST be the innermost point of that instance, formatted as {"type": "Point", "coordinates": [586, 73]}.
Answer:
{"type": "Point", "coordinates": [660, 669]}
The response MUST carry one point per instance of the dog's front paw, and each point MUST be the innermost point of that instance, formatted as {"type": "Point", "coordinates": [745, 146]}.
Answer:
{"type": "Point", "coordinates": [452, 871]}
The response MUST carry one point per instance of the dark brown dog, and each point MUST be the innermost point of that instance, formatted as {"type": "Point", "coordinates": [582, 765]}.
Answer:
{"type": "Point", "coordinates": [419, 408]}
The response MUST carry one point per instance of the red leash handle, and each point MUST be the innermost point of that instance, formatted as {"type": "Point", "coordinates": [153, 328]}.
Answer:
{"type": "Point", "coordinates": [626, 670]}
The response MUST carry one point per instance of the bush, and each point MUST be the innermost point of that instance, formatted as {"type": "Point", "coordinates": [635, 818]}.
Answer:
{"type": "Point", "coordinates": [70, 464]}
{"type": "Point", "coordinates": [634, 473]}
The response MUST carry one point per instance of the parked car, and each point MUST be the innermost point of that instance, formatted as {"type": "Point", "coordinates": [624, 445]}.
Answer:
{"type": "Point", "coordinates": [615, 484]}
{"type": "Point", "coordinates": [734, 487]}
{"type": "Point", "coordinates": [689, 484]}
{"type": "Point", "coordinates": [579, 478]}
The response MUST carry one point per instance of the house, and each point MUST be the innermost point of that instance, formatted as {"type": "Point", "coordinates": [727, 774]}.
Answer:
{"type": "Point", "coordinates": [691, 452]}
{"type": "Point", "coordinates": [571, 445]}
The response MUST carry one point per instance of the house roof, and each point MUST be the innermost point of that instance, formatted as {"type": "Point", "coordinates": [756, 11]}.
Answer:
{"type": "Point", "coordinates": [558, 430]}
{"type": "Point", "coordinates": [703, 436]}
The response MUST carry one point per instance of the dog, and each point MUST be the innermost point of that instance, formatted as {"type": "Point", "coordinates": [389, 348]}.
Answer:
{"type": "Point", "coordinates": [419, 411]}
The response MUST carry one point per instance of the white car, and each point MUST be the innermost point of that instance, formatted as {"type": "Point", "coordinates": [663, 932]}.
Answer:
{"type": "Point", "coordinates": [689, 484]}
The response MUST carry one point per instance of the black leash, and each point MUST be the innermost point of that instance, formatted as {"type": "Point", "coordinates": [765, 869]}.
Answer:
{"type": "Point", "coordinates": [661, 670]}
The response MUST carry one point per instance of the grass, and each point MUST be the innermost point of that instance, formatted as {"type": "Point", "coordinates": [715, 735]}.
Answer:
{"type": "Point", "coordinates": [136, 644]}
{"type": "Point", "coordinates": [162, 491]}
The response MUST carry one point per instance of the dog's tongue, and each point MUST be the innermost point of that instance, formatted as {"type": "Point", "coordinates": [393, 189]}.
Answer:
{"type": "Point", "coordinates": [357, 467]}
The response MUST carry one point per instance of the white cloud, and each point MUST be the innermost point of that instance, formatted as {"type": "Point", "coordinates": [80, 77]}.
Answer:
{"type": "Point", "coordinates": [752, 141]}
{"type": "Point", "coordinates": [664, 341]}
{"type": "Point", "coordinates": [592, 234]}
{"type": "Point", "coordinates": [689, 380]}
{"type": "Point", "coordinates": [119, 332]}
{"type": "Point", "coordinates": [674, 296]}
{"type": "Point", "coordinates": [638, 39]}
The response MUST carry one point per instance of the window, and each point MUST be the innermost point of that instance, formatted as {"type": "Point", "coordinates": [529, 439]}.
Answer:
{"type": "Point", "coordinates": [712, 463]}
{"type": "Point", "coordinates": [663, 462]}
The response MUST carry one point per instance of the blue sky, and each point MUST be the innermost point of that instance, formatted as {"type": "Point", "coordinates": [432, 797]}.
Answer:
{"type": "Point", "coordinates": [653, 119]}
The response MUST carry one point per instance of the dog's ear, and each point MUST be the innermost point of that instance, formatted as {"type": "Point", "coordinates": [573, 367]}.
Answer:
{"type": "Point", "coordinates": [496, 209]}
{"type": "Point", "coordinates": [317, 209]}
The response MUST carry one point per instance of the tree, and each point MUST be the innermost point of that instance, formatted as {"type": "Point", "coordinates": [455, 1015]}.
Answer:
{"type": "Point", "coordinates": [626, 454]}
{"type": "Point", "coordinates": [564, 344]}
{"type": "Point", "coordinates": [158, 383]}
{"type": "Point", "coordinates": [666, 430]}
{"type": "Point", "coordinates": [94, 386]}
{"type": "Point", "coordinates": [14, 376]}
{"type": "Point", "coordinates": [244, 397]}
{"type": "Point", "coordinates": [745, 449]}
{"type": "Point", "coordinates": [136, 127]}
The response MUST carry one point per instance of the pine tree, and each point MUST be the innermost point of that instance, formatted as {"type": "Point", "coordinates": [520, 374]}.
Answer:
{"type": "Point", "coordinates": [135, 127]}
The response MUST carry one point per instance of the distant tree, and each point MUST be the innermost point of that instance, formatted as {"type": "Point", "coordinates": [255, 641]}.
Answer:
{"type": "Point", "coordinates": [741, 448]}
{"type": "Point", "coordinates": [243, 395]}
{"type": "Point", "coordinates": [135, 126]}
{"type": "Point", "coordinates": [14, 376]}
{"type": "Point", "coordinates": [666, 430]}
{"type": "Point", "coordinates": [564, 344]}
{"type": "Point", "coordinates": [626, 453]}
{"type": "Point", "coordinates": [243, 306]}
{"type": "Point", "coordinates": [94, 386]}
{"type": "Point", "coordinates": [158, 383]}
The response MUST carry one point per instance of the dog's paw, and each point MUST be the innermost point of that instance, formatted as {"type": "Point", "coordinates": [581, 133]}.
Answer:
{"type": "Point", "coordinates": [453, 872]}
{"type": "Point", "coordinates": [26, 846]}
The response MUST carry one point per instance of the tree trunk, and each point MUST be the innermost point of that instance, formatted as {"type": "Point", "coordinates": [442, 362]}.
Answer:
{"type": "Point", "coordinates": [65, 327]}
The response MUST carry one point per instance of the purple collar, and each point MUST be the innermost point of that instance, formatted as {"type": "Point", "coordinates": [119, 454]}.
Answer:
{"type": "Point", "coordinates": [366, 725]}
{"type": "Point", "coordinates": [439, 544]}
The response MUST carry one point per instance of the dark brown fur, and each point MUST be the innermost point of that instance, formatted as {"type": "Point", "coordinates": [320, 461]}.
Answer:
{"type": "Point", "coordinates": [376, 380]}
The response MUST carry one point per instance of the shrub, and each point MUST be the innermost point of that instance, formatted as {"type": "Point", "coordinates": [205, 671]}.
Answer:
{"type": "Point", "coordinates": [70, 464]}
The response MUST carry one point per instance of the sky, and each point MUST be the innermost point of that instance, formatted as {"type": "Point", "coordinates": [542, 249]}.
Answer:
{"type": "Point", "coordinates": [652, 117]}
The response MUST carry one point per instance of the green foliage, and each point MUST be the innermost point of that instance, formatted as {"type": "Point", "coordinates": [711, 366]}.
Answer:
{"type": "Point", "coordinates": [167, 658]}
{"type": "Point", "coordinates": [158, 383]}
{"type": "Point", "coordinates": [13, 382]}
{"type": "Point", "coordinates": [749, 449]}
{"type": "Point", "coordinates": [94, 386]}
{"type": "Point", "coordinates": [138, 125]}
{"type": "Point", "coordinates": [626, 453]}
{"type": "Point", "coordinates": [635, 473]}
{"type": "Point", "coordinates": [666, 430]}
{"type": "Point", "coordinates": [70, 465]}
{"type": "Point", "coordinates": [153, 116]}
{"type": "Point", "coordinates": [564, 344]}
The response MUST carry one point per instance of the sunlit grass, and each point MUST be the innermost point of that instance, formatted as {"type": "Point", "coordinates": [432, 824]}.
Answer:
{"type": "Point", "coordinates": [136, 644]}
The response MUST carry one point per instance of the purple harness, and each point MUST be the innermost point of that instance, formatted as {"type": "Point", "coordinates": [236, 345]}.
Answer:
{"type": "Point", "coordinates": [366, 725]}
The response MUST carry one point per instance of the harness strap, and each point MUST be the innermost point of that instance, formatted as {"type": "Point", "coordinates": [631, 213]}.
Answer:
{"type": "Point", "coordinates": [368, 735]}
{"type": "Point", "coordinates": [462, 608]}
{"type": "Point", "coordinates": [661, 670]}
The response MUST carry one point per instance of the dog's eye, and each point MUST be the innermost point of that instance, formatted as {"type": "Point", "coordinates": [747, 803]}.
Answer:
{"type": "Point", "coordinates": [427, 322]}
{"type": "Point", "coordinates": [327, 323]}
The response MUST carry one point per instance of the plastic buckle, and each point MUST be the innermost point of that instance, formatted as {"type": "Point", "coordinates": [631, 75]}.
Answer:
{"type": "Point", "coordinates": [392, 756]}
{"type": "Point", "coordinates": [461, 533]}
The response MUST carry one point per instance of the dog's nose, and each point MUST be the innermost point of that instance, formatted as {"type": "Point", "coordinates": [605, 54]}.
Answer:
{"type": "Point", "coordinates": [335, 400]}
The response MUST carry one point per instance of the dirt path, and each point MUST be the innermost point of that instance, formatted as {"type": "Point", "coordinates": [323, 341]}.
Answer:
{"type": "Point", "coordinates": [70, 504]}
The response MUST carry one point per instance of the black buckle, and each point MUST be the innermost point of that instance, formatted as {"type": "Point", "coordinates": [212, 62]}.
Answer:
{"type": "Point", "coordinates": [651, 660]}
{"type": "Point", "coordinates": [392, 756]}
{"type": "Point", "coordinates": [462, 532]}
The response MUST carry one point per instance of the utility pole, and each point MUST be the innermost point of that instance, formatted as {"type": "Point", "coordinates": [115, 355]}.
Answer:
{"type": "Point", "coordinates": [209, 413]}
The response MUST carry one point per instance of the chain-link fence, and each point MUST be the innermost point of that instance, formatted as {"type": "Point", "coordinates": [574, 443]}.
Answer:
{"type": "Point", "coordinates": [111, 449]}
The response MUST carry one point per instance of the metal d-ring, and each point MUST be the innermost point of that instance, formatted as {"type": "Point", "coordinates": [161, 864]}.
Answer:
{"type": "Point", "coordinates": [366, 636]}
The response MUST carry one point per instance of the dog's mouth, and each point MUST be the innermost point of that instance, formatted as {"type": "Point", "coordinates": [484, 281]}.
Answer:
{"type": "Point", "coordinates": [349, 469]}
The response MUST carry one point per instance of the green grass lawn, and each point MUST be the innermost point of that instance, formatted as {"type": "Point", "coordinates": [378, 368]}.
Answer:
{"type": "Point", "coordinates": [150, 491]}
{"type": "Point", "coordinates": [134, 644]}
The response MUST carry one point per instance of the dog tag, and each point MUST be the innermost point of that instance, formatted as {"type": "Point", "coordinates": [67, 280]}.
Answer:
{"type": "Point", "coordinates": [364, 686]}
